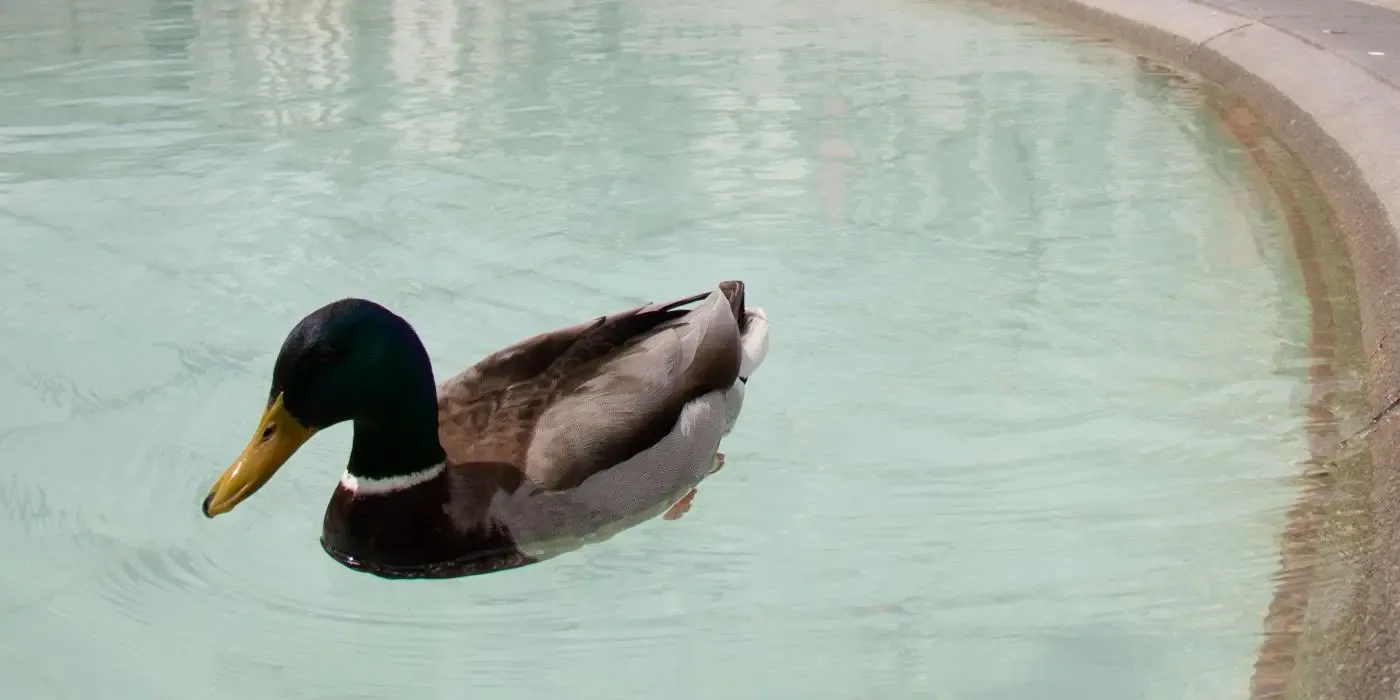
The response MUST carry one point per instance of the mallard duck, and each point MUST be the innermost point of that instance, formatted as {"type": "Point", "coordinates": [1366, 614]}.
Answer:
{"type": "Point", "coordinates": [563, 438]}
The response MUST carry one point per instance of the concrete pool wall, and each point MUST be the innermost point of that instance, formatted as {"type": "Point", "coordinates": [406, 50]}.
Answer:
{"type": "Point", "coordinates": [1315, 72]}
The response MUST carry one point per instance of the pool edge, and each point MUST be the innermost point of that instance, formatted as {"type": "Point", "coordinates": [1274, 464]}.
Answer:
{"type": "Point", "coordinates": [1333, 115]}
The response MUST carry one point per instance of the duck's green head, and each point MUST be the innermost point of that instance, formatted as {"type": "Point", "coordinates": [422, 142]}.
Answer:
{"type": "Point", "coordinates": [349, 360]}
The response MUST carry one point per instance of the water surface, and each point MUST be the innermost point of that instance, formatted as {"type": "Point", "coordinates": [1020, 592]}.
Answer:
{"type": "Point", "coordinates": [1026, 431]}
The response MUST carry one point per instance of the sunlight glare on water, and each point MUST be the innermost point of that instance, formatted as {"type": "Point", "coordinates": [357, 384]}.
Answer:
{"type": "Point", "coordinates": [1025, 432]}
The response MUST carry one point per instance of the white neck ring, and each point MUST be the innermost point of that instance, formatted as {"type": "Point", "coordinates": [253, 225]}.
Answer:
{"type": "Point", "coordinates": [365, 486]}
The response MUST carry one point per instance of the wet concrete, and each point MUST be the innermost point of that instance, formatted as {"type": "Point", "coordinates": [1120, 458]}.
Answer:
{"type": "Point", "coordinates": [1323, 76]}
{"type": "Point", "coordinates": [1315, 589]}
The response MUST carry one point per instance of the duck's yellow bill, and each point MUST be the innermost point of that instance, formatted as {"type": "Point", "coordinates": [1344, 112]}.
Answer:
{"type": "Point", "coordinates": [278, 436]}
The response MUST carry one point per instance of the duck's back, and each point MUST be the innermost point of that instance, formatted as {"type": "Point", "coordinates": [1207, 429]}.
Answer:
{"type": "Point", "coordinates": [565, 404]}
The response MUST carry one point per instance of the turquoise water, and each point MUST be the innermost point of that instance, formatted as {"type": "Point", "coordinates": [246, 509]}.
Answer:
{"type": "Point", "coordinates": [1026, 430]}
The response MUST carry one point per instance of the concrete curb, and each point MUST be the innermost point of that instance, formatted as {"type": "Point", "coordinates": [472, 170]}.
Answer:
{"type": "Point", "coordinates": [1343, 123]}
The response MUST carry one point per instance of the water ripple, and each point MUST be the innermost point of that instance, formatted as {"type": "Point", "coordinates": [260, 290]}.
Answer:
{"type": "Point", "coordinates": [1040, 397]}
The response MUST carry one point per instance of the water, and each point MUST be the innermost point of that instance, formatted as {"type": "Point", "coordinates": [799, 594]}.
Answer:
{"type": "Point", "coordinates": [1028, 428]}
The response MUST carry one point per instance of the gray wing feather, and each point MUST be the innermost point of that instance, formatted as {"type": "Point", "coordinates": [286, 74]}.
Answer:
{"type": "Point", "coordinates": [619, 407]}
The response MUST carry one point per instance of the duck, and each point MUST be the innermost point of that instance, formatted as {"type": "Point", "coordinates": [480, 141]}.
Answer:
{"type": "Point", "coordinates": [563, 439]}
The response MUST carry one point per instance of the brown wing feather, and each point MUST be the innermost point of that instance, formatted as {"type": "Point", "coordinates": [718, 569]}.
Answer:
{"type": "Point", "coordinates": [622, 402]}
{"type": "Point", "coordinates": [487, 413]}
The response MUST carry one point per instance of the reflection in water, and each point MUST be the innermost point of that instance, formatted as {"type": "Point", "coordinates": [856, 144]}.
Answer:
{"type": "Point", "coordinates": [836, 155]}
{"type": "Point", "coordinates": [424, 61]}
{"type": "Point", "coordinates": [1031, 434]}
{"type": "Point", "coordinates": [302, 63]}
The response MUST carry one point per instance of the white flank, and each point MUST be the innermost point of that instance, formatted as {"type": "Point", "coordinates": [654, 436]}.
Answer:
{"type": "Point", "coordinates": [755, 342]}
{"type": "Point", "coordinates": [639, 488]}
{"type": "Point", "coordinates": [733, 404]}
{"type": "Point", "coordinates": [377, 487]}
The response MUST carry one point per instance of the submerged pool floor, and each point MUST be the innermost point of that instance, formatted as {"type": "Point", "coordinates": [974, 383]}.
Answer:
{"type": "Point", "coordinates": [1027, 430]}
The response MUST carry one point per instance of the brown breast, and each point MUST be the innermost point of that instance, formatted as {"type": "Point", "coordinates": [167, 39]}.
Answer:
{"type": "Point", "coordinates": [412, 534]}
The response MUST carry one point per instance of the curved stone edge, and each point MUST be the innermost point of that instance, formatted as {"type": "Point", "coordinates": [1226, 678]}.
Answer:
{"type": "Point", "coordinates": [1336, 116]}
{"type": "Point", "coordinates": [1343, 123]}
